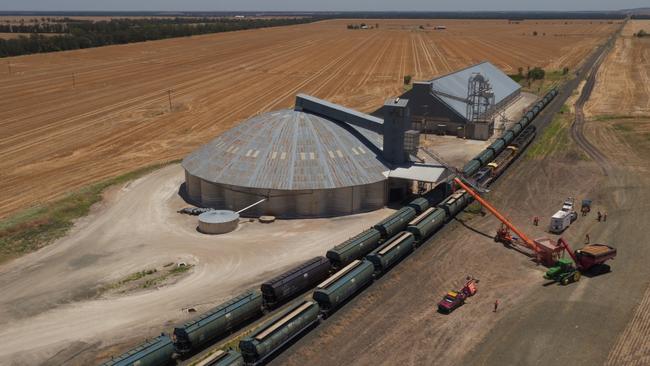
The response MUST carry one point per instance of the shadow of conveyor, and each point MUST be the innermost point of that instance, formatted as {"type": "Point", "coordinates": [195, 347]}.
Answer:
{"type": "Point", "coordinates": [462, 222]}
{"type": "Point", "coordinates": [512, 247]}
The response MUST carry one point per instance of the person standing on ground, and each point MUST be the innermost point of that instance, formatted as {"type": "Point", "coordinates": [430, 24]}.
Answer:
{"type": "Point", "coordinates": [599, 216]}
{"type": "Point", "coordinates": [587, 239]}
{"type": "Point", "coordinates": [496, 305]}
{"type": "Point", "coordinates": [535, 220]}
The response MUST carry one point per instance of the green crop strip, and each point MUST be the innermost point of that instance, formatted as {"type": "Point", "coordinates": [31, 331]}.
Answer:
{"type": "Point", "coordinates": [38, 226]}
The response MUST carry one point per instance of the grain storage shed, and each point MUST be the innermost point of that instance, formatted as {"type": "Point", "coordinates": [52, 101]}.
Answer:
{"type": "Point", "coordinates": [444, 104]}
{"type": "Point", "coordinates": [316, 160]}
{"type": "Point", "coordinates": [304, 164]}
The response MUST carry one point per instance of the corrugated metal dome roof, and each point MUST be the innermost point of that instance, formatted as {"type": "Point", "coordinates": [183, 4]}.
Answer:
{"type": "Point", "coordinates": [288, 150]}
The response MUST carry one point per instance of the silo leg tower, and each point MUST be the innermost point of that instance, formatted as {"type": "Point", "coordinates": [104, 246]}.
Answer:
{"type": "Point", "coordinates": [396, 121]}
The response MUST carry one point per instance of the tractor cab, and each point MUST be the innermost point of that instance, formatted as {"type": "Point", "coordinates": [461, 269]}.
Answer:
{"type": "Point", "coordinates": [564, 271]}
{"type": "Point", "coordinates": [562, 265]}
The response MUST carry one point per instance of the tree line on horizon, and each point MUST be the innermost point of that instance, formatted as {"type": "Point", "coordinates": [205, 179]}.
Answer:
{"type": "Point", "coordinates": [79, 34]}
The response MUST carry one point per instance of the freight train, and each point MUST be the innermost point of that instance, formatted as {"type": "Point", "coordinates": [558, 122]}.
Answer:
{"type": "Point", "coordinates": [487, 155]}
{"type": "Point", "coordinates": [347, 268]}
{"type": "Point", "coordinates": [487, 174]}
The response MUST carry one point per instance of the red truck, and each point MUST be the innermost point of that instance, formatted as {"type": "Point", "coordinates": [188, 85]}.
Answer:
{"type": "Point", "coordinates": [455, 299]}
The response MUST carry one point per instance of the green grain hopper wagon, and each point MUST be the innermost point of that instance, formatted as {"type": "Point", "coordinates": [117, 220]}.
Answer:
{"type": "Point", "coordinates": [217, 323]}
{"type": "Point", "coordinates": [420, 204]}
{"type": "Point", "coordinates": [396, 222]}
{"type": "Point", "coordinates": [392, 251]}
{"type": "Point", "coordinates": [278, 331]}
{"type": "Point", "coordinates": [354, 248]}
{"type": "Point", "coordinates": [223, 358]}
{"type": "Point", "coordinates": [343, 284]}
{"type": "Point", "coordinates": [455, 203]}
{"type": "Point", "coordinates": [426, 223]}
{"type": "Point", "coordinates": [156, 352]}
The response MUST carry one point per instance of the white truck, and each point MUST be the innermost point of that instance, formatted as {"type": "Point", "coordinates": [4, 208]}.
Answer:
{"type": "Point", "coordinates": [567, 206]}
{"type": "Point", "coordinates": [563, 218]}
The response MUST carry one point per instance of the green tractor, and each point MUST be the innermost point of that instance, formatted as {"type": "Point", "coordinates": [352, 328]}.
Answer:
{"type": "Point", "coordinates": [563, 272]}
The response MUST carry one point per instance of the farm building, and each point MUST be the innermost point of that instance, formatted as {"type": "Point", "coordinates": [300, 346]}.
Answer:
{"type": "Point", "coordinates": [463, 102]}
{"type": "Point", "coordinates": [316, 160]}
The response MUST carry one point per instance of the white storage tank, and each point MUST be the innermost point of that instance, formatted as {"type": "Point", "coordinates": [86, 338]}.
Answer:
{"type": "Point", "coordinates": [218, 221]}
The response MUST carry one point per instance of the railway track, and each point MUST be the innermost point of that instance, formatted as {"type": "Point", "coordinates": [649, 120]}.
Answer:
{"type": "Point", "coordinates": [577, 127]}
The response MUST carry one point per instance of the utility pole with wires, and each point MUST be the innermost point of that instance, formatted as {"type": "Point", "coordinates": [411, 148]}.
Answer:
{"type": "Point", "coordinates": [169, 94]}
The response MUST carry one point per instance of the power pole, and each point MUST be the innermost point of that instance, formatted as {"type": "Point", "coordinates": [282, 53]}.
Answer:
{"type": "Point", "coordinates": [169, 93]}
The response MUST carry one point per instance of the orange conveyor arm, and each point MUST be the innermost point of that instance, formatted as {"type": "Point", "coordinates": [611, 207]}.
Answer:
{"type": "Point", "coordinates": [496, 213]}
{"type": "Point", "coordinates": [566, 247]}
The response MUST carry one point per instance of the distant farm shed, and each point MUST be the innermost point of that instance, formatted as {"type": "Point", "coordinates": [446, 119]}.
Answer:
{"type": "Point", "coordinates": [443, 104]}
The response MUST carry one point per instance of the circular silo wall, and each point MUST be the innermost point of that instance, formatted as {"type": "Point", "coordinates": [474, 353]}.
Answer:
{"type": "Point", "coordinates": [291, 203]}
{"type": "Point", "coordinates": [305, 165]}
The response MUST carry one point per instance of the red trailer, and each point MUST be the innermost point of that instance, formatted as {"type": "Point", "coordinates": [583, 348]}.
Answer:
{"type": "Point", "coordinates": [592, 257]}
{"type": "Point", "coordinates": [589, 259]}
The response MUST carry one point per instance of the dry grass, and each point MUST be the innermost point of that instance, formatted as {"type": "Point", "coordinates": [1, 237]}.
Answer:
{"type": "Point", "coordinates": [32, 229]}
{"type": "Point", "coordinates": [555, 137]}
{"type": "Point", "coordinates": [623, 80]}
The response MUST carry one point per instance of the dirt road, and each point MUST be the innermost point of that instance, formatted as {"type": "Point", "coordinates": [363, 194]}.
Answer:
{"type": "Point", "coordinates": [578, 125]}
{"type": "Point", "coordinates": [116, 118]}
{"type": "Point", "coordinates": [52, 307]}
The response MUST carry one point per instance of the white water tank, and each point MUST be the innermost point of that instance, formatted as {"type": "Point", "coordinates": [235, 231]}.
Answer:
{"type": "Point", "coordinates": [218, 221]}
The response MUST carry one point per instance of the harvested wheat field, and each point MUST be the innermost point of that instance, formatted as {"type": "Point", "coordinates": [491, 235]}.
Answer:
{"type": "Point", "coordinates": [72, 118]}
{"type": "Point", "coordinates": [623, 81]}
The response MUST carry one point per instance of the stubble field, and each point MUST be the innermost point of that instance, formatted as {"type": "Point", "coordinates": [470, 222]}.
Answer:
{"type": "Point", "coordinates": [72, 118]}
{"type": "Point", "coordinates": [623, 83]}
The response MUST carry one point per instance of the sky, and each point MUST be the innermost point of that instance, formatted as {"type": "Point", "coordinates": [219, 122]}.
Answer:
{"type": "Point", "coordinates": [315, 5]}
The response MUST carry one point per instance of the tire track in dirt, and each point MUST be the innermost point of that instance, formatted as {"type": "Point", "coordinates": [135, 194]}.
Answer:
{"type": "Point", "coordinates": [427, 56]}
{"type": "Point", "coordinates": [369, 72]}
{"type": "Point", "coordinates": [441, 58]}
{"type": "Point", "coordinates": [338, 67]}
{"type": "Point", "coordinates": [416, 59]}
{"type": "Point", "coordinates": [577, 127]}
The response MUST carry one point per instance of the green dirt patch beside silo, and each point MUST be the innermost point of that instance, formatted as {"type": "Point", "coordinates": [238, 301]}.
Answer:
{"type": "Point", "coordinates": [38, 226]}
